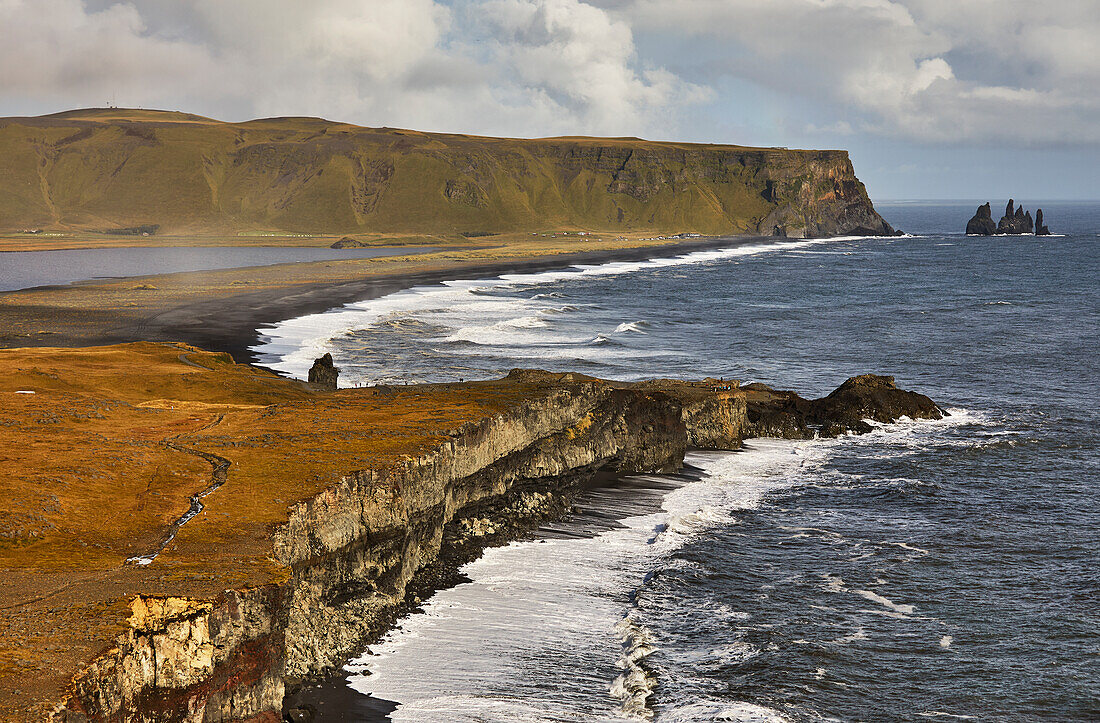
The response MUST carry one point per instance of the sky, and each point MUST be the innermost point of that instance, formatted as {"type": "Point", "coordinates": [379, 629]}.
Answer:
{"type": "Point", "coordinates": [935, 99]}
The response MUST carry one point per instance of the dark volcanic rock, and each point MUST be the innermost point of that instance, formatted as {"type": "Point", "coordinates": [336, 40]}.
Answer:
{"type": "Point", "coordinates": [982, 223]}
{"type": "Point", "coordinates": [1015, 221]}
{"type": "Point", "coordinates": [869, 396]}
{"type": "Point", "coordinates": [323, 373]}
{"type": "Point", "coordinates": [1040, 229]}
{"type": "Point", "coordinates": [348, 243]}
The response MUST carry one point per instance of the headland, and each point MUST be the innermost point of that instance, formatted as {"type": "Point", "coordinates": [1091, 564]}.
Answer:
{"type": "Point", "coordinates": [185, 535]}
{"type": "Point", "coordinates": [317, 509]}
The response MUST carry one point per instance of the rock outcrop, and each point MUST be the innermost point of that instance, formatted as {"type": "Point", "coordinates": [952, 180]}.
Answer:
{"type": "Point", "coordinates": [1016, 221]}
{"type": "Point", "coordinates": [351, 552]}
{"type": "Point", "coordinates": [324, 373]}
{"type": "Point", "coordinates": [785, 414]}
{"type": "Point", "coordinates": [1040, 228]}
{"type": "Point", "coordinates": [982, 223]}
{"type": "Point", "coordinates": [348, 242]}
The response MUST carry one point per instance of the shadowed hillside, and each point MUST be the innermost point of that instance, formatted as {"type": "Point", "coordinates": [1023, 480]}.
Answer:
{"type": "Point", "coordinates": [118, 169]}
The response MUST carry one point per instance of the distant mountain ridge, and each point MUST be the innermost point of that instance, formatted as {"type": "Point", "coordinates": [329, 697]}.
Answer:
{"type": "Point", "coordinates": [102, 169]}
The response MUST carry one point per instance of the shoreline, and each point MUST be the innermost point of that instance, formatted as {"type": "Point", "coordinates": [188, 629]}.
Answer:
{"type": "Point", "coordinates": [332, 504]}
{"type": "Point", "coordinates": [209, 310]}
{"type": "Point", "coordinates": [235, 330]}
{"type": "Point", "coordinates": [585, 511]}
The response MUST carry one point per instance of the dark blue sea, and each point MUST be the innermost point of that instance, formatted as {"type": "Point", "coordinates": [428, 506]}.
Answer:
{"type": "Point", "coordinates": [924, 571]}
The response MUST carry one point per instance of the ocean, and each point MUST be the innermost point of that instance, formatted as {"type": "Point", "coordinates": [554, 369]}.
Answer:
{"type": "Point", "coordinates": [924, 571]}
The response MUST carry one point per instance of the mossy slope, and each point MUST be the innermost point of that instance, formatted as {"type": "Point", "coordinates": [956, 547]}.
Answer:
{"type": "Point", "coordinates": [97, 170]}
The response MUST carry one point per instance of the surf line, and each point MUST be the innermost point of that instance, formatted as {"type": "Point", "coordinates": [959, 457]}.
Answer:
{"type": "Point", "coordinates": [289, 346]}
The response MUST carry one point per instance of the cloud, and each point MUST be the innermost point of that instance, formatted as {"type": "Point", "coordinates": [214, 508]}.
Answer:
{"type": "Point", "coordinates": [60, 49]}
{"type": "Point", "coordinates": [574, 60]}
{"type": "Point", "coordinates": [520, 67]}
{"type": "Point", "coordinates": [1009, 72]}
{"type": "Point", "coordinates": [935, 71]}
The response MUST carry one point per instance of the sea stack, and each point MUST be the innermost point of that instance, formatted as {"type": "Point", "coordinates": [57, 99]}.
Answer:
{"type": "Point", "coordinates": [1040, 228]}
{"type": "Point", "coordinates": [982, 223]}
{"type": "Point", "coordinates": [323, 373]}
{"type": "Point", "coordinates": [1016, 221]}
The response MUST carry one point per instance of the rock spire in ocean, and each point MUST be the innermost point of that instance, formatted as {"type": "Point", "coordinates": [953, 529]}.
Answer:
{"type": "Point", "coordinates": [982, 222]}
{"type": "Point", "coordinates": [1016, 221]}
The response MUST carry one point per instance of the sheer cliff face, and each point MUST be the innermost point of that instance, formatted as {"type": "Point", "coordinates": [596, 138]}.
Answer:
{"type": "Point", "coordinates": [350, 553]}
{"type": "Point", "coordinates": [345, 559]}
{"type": "Point", "coordinates": [819, 195]}
{"type": "Point", "coordinates": [99, 170]}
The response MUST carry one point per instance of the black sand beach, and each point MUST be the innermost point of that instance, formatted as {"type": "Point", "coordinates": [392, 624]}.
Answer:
{"type": "Point", "coordinates": [213, 318]}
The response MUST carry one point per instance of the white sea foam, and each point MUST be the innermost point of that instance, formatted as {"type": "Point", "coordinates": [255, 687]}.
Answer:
{"type": "Point", "coordinates": [529, 601]}
{"type": "Point", "coordinates": [720, 711]}
{"type": "Point", "coordinates": [634, 686]}
{"type": "Point", "coordinates": [291, 346]}
{"type": "Point", "coordinates": [905, 546]}
{"type": "Point", "coordinates": [886, 602]}
{"type": "Point", "coordinates": [945, 641]}
{"type": "Point", "coordinates": [942, 714]}
{"type": "Point", "coordinates": [634, 326]}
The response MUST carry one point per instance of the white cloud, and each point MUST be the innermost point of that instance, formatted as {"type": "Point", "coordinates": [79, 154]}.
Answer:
{"type": "Point", "coordinates": [521, 67]}
{"type": "Point", "coordinates": [939, 71]}
{"type": "Point", "coordinates": [60, 49]}
{"type": "Point", "coordinates": [580, 63]}
{"type": "Point", "coordinates": [929, 70]}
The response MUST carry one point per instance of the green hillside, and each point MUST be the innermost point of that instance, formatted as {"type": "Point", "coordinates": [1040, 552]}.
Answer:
{"type": "Point", "coordinates": [109, 169]}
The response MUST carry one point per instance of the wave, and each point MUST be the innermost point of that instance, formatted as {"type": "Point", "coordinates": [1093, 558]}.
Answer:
{"type": "Point", "coordinates": [531, 600]}
{"type": "Point", "coordinates": [635, 686]}
{"type": "Point", "coordinates": [638, 327]}
{"type": "Point", "coordinates": [290, 346]}
{"type": "Point", "coordinates": [502, 333]}
{"type": "Point", "coordinates": [561, 309]}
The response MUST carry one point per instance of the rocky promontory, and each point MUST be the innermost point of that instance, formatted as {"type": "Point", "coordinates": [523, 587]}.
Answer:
{"type": "Point", "coordinates": [329, 507]}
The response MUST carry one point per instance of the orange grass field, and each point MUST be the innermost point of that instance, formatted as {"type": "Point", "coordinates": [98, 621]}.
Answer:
{"type": "Point", "coordinates": [88, 479]}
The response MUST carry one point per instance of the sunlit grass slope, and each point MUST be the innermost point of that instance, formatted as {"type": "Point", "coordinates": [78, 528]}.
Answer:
{"type": "Point", "coordinates": [109, 169]}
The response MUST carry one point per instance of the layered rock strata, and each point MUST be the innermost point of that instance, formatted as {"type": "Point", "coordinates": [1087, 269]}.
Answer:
{"type": "Point", "coordinates": [351, 551]}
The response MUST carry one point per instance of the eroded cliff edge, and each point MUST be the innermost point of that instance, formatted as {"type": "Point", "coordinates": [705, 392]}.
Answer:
{"type": "Point", "coordinates": [152, 172]}
{"type": "Point", "coordinates": [332, 504]}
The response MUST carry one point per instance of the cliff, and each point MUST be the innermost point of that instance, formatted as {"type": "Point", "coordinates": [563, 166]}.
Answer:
{"type": "Point", "coordinates": [316, 510]}
{"type": "Point", "coordinates": [149, 172]}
